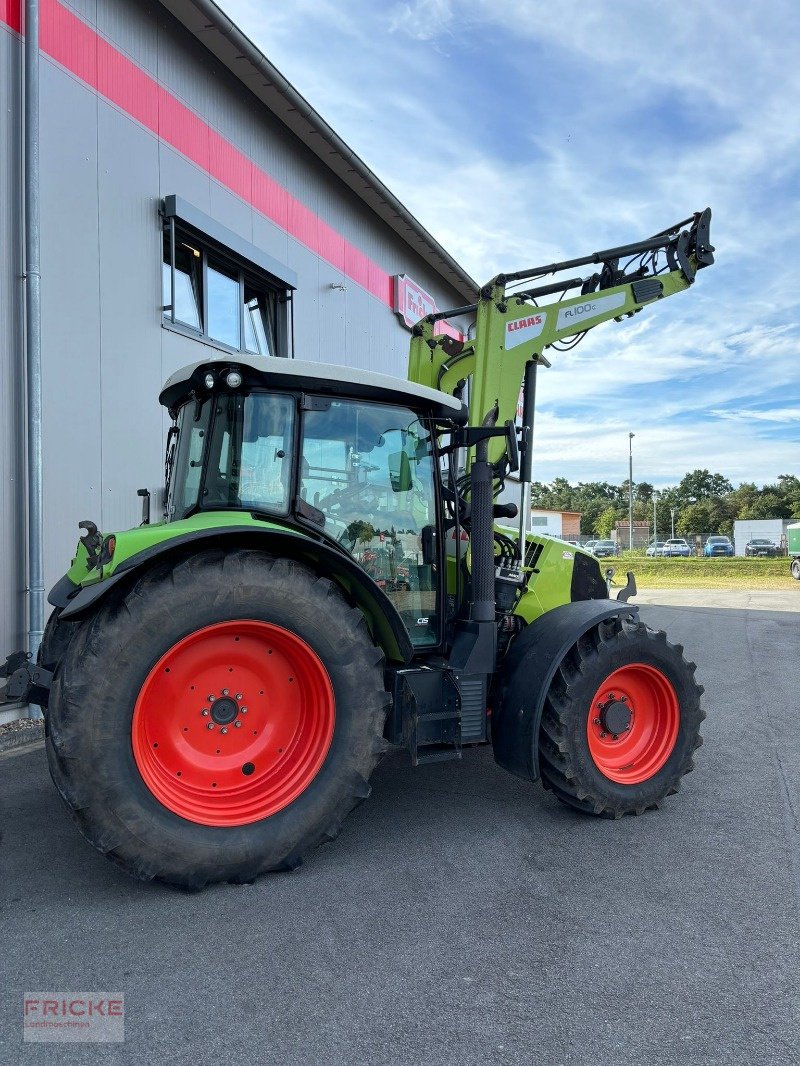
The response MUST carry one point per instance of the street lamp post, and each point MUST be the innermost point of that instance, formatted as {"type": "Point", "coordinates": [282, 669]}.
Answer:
{"type": "Point", "coordinates": [672, 513]}
{"type": "Point", "coordinates": [655, 531]}
{"type": "Point", "coordinates": [630, 490]}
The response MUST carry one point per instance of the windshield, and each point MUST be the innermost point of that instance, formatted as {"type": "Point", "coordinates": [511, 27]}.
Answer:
{"type": "Point", "coordinates": [369, 468]}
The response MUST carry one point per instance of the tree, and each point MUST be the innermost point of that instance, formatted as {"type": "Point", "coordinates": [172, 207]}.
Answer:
{"type": "Point", "coordinates": [767, 505]}
{"type": "Point", "coordinates": [703, 517]}
{"type": "Point", "coordinates": [789, 489]}
{"type": "Point", "coordinates": [703, 485]}
{"type": "Point", "coordinates": [360, 530]}
{"type": "Point", "coordinates": [606, 522]}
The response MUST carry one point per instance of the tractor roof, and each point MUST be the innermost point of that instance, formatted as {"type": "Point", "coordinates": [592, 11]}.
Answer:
{"type": "Point", "coordinates": [345, 381]}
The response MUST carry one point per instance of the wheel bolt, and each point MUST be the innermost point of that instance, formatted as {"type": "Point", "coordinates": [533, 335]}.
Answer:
{"type": "Point", "coordinates": [603, 733]}
{"type": "Point", "coordinates": [596, 720]}
{"type": "Point", "coordinates": [210, 725]}
{"type": "Point", "coordinates": [204, 712]}
{"type": "Point", "coordinates": [238, 695]}
{"type": "Point", "coordinates": [243, 710]}
{"type": "Point", "coordinates": [238, 725]}
{"type": "Point", "coordinates": [211, 697]}
{"type": "Point", "coordinates": [225, 692]}
{"type": "Point", "coordinates": [224, 730]}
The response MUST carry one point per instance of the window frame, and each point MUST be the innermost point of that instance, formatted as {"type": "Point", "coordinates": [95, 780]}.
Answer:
{"type": "Point", "coordinates": [249, 274]}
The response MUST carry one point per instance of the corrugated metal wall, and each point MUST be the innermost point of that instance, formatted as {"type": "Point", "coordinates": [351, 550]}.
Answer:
{"type": "Point", "coordinates": [105, 354]}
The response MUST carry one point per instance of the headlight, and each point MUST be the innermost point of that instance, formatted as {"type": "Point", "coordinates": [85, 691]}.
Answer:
{"type": "Point", "coordinates": [234, 379]}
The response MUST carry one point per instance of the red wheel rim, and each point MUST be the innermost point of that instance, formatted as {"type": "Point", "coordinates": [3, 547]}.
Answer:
{"type": "Point", "coordinates": [642, 695]}
{"type": "Point", "coordinates": [233, 723]}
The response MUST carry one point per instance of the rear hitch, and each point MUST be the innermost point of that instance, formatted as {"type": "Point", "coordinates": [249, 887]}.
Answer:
{"type": "Point", "coordinates": [27, 682]}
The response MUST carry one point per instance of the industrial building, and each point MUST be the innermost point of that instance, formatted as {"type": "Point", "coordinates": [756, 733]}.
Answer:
{"type": "Point", "coordinates": [191, 203]}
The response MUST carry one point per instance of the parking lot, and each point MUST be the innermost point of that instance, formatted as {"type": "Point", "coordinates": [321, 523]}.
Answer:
{"type": "Point", "coordinates": [462, 916]}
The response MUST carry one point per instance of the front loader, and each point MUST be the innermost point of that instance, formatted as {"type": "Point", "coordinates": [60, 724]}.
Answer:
{"type": "Point", "coordinates": [329, 578]}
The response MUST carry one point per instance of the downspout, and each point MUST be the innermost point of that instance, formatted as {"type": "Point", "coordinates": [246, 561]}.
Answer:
{"type": "Point", "coordinates": [33, 336]}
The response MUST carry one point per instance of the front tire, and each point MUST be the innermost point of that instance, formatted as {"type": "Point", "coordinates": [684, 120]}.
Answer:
{"type": "Point", "coordinates": [621, 721]}
{"type": "Point", "coordinates": [796, 569]}
{"type": "Point", "coordinates": [218, 720]}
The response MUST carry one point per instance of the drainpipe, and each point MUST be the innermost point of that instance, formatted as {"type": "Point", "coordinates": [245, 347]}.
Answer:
{"type": "Point", "coordinates": [33, 335]}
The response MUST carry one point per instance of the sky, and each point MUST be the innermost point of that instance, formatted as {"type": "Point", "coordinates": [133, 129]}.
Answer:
{"type": "Point", "coordinates": [535, 131]}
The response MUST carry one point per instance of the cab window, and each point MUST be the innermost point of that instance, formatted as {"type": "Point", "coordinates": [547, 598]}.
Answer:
{"type": "Point", "coordinates": [369, 468]}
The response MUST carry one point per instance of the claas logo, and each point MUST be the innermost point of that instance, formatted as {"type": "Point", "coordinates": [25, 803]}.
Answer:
{"type": "Point", "coordinates": [523, 323]}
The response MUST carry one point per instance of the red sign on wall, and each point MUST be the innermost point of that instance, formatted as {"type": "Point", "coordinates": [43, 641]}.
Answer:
{"type": "Point", "coordinates": [411, 302]}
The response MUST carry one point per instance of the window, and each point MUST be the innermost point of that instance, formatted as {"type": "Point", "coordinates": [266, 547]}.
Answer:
{"type": "Point", "coordinates": [219, 288]}
{"type": "Point", "coordinates": [233, 452]}
{"type": "Point", "coordinates": [187, 466]}
{"type": "Point", "coordinates": [249, 461]}
{"type": "Point", "coordinates": [369, 469]}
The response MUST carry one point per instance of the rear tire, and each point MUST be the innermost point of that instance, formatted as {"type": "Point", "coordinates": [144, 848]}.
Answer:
{"type": "Point", "coordinates": [620, 675]}
{"type": "Point", "coordinates": [796, 569]}
{"type": "Point", "coordinates": [129, 744]}
{"type": "Point", "coordinates": [55, 641]}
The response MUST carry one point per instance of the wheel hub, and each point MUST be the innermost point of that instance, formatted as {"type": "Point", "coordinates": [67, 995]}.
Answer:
{"type": "Point", "coordinates": [224, 710]}
{"type": "Point", "coordinates": [616, 716]}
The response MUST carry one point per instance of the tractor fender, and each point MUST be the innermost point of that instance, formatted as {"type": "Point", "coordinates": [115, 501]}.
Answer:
{"type": "Point", "coordinates": [382, 616]}
{"type": "Point", "coordinates": [527, 672]}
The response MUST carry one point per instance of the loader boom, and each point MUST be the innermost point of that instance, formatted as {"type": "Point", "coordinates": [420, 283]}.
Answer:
{"type": "Point", "coordinates": [512, 329]}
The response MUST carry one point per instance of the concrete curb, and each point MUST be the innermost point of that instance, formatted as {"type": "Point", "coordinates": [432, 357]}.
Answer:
{"type": "Point", "coordinates": [21, 736]}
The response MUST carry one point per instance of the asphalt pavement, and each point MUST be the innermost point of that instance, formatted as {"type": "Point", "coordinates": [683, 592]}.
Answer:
{"type": "Point", "coordinates": [463, 916]}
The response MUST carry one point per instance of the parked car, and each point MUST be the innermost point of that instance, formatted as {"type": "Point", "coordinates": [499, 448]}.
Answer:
{"type": "Point", "coordinates": [654, 548]}
{"type": "Point", "coordinates": [676, 546]}
{"type": "Point", "coordinates": [603, 548]}
{"type": "Point", "coordinates": [717, 546]}
{"type": "Point", "coordinates": [760, 546]}
{"type": "Point", "coordinates": [589, 545]}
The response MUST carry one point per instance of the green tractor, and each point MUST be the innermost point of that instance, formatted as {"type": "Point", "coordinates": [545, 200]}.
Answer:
{"type": "Point", "coordinates": [330, 578]}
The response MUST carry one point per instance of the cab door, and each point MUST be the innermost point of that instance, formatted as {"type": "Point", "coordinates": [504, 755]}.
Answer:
{"type": "Point", "coordinates": [371, 470]}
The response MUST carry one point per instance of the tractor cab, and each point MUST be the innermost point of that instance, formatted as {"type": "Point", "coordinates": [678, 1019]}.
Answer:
{"type": "Point", "coordinates": [344, 454]}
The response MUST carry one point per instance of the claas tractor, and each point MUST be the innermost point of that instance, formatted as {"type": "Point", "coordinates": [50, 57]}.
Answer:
{"type": "Point", "coordinates": [334, 575]}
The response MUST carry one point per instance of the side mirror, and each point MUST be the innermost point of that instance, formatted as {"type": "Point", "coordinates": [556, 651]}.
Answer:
{"type": "Point", "coordinates": [400, 472]}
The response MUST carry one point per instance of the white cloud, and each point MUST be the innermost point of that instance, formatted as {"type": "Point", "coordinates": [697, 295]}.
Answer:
{"type": "Point", "coordinates": [422, 20]}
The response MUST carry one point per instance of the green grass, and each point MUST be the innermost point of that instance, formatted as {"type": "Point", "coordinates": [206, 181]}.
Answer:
{"type": "Point", "coordinates": [702, 573]}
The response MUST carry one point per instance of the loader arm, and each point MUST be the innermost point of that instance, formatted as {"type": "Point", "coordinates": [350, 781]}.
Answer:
{"type": "Point", "coordinates": [512, 329]}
